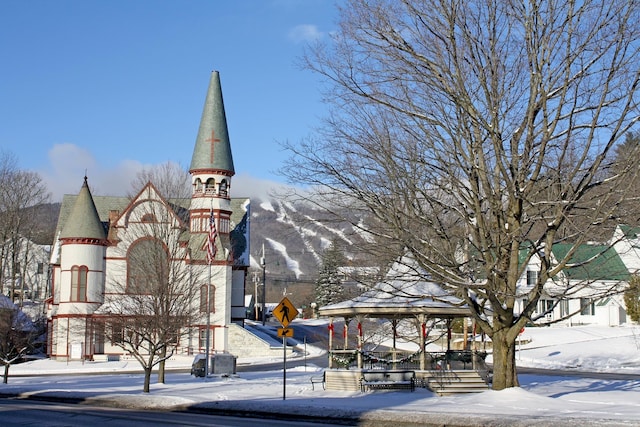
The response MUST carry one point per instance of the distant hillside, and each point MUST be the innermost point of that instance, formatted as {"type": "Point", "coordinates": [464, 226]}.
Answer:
{"type": "Point", "coordinates": [46, 217]}
{"type": "Point", "coordinates": [294, 239]}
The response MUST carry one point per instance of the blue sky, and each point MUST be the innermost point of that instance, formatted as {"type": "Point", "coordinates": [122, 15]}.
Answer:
{"type": "Point", "coordinates": [114, 86]}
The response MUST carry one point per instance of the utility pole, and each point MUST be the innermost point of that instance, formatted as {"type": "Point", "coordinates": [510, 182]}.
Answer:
{"type": "Point", "coordinates": [263, 263]}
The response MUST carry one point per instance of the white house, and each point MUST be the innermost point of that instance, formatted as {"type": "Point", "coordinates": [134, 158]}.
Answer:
{"type": "Point", "coordinates": [588, 290]}
{"type": "Point", "coordinates": [25, 269]}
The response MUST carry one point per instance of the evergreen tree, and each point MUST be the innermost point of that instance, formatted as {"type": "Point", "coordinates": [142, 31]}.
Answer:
{"type": "Point", "coordinates": [632, 298]}
{"type": "Point", "coordinates": [329, 288]}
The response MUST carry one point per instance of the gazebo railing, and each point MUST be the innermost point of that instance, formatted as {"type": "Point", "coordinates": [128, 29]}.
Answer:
{"type": "Point", "coordinates": [398, 359]}
{"type": "Point", "coordinates": [344, 359]}
{"type": "Point", "coordinates": [457, 359]}
{"type": "Point", "coordinates": [391, 360]}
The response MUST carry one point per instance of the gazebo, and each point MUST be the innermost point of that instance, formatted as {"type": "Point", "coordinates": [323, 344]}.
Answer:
{"type": "Point", "coordinates": [402, 294]}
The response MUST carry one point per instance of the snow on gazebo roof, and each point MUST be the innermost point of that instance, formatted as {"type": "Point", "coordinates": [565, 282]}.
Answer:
{"type": "Point", "coordinates": [404, 292]}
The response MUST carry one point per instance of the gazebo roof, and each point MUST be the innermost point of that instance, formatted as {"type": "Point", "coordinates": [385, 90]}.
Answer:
{"type": "Point", "coordinates": [404, 292]}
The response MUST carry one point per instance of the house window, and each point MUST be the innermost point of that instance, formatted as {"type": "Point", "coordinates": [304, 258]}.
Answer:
{"type": "Point", "coordinates": [174, 338]}
{"type": "Point", "coordinates": [223, 225]}
{"type": "Point", "coordinates": [532, 277]}
{"type": "Point", "coordinates": [203, 339]}
{"type": "Point", "coordinates": [203, 298]}
{"type": "Point", "coordinates": [222, 190]}
{"type": "Point", "coordinates": [79, 283]}
{"type": "Point", "coordinates": [587, 307]}
{"type": "Point", "coordinates": [545, 306]}
{"type": "Point", "coordinates": [117, 333]}
{"type": "Point", "coordinates": [147, 267]}
{"type": "Point", "coordinates": [195, 223]}
{"type": "Point", "coordinates": [564, 307]}
{"type": "Point", "coordinates": [210, 186]}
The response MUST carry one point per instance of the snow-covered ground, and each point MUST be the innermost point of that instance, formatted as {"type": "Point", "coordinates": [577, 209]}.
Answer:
{"type": "Point", "coordinates": [541, 400]}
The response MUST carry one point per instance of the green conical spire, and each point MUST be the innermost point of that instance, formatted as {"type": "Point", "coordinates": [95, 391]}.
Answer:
{"type": "Point", "coordinates": [84, 221]}
{"type": "Point", "coordinates": [213, 149]}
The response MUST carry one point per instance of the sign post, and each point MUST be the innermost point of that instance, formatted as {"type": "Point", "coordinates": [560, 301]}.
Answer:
{"type": "Point", "coordinates": [285, 312]}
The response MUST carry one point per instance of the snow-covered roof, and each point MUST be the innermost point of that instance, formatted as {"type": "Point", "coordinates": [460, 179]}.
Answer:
{"type": "Point", "coordinates": [404, 291]}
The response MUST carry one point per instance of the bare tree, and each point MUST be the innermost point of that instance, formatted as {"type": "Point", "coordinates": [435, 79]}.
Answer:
{"type": "Point", "coordinates": [477, 134]}
{"type": "Point", "coordinates": [19, 191]}
{"type": "Point", "coordinates": [170, 179]}
{"type": "Point", "coordinates": [18, 335]}
{"type": "Point", "coordinates": [152, 301]}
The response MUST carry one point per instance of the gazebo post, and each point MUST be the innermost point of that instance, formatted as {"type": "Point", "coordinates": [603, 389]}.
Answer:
{"type": "Point", "coordinates": [465, 335]}
{"type": "Point", "coordinates": [448, 343]}
{"type": "Point", "coordinates": [394, 329]}
{"type": "Point", "coordinates": [423, 338]}
{"type": "Point", "coordinates": [345, 333]}
{"type": "Point", "coordinates": [330, 342]}
{"type": "Point", "coordinates": [360, 342]}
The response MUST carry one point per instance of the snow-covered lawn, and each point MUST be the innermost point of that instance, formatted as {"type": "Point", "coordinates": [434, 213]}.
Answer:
{"type": "Point", "coordinates": [541, 399]}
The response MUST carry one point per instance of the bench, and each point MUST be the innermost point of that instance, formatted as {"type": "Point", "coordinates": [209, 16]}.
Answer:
{"type": "Point", "coordinates": [463, 356]}
{"type": "Point", "coordinates": [388, 380]}
{"type": "Point", "coordinates": [317, 380]}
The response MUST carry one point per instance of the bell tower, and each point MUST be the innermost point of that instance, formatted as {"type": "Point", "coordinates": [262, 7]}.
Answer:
{"type": "Point", "coordinates": [211, 170]}
{"type": "Point", "coordinates": [211, 166]}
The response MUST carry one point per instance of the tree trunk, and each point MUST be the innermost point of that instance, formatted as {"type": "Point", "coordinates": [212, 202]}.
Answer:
{"type": "Point", "coordinates": [161, 366]}
{"type": "Point", "coordinates": [147, 379]}
{"type": "Point", "coordinates": [6, 373]}
{"type": "Point", "coordinates": [505, 374]}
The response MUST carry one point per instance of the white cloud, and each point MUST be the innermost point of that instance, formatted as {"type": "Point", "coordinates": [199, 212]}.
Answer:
{"type": "Point", "coordinates": [305, 33]}
{"type": "Point", "coordinates": [256, 188]}
{"type": "Point", "coordinates": [68, 164]}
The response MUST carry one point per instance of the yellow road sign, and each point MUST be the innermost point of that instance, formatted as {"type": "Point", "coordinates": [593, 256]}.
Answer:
{"type": "Point", "coordinates": [285, 332]}
{"type": "Point", "coordinates": [285, 312]}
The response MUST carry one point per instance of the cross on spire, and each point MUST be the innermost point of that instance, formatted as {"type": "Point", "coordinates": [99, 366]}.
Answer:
{"type": "Point", "coordinates": [212, 140]}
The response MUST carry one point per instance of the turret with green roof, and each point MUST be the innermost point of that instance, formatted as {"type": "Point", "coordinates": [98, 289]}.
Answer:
{"type": "Point", "coordinates": [83, 221]}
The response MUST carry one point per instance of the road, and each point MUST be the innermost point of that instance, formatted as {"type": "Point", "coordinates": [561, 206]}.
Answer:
{"type": "Point", "coordinates": [312, 334]}
{"type": "Point", "coordinates": [574, 373]}
{"type": "Point", "coordinates": [33, 413]}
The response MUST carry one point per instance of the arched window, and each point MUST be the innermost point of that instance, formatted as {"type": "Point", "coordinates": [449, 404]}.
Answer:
{"type": "Point", "coordinates": [223, 188]}
{"type": "Point", "coordinates": [203, 298]}
{"type": "Point", "coordinates": [147, 267]}
{"type": "Point", "coordinates": [198, 185]}
{"type": "Point", "coordinates": [210, 186]}
{"type": "Point", "coordinates": [79, 282]}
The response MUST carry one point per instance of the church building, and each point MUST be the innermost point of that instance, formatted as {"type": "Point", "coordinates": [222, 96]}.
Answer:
{"type": "Point", "coordinates": [104, 247]}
